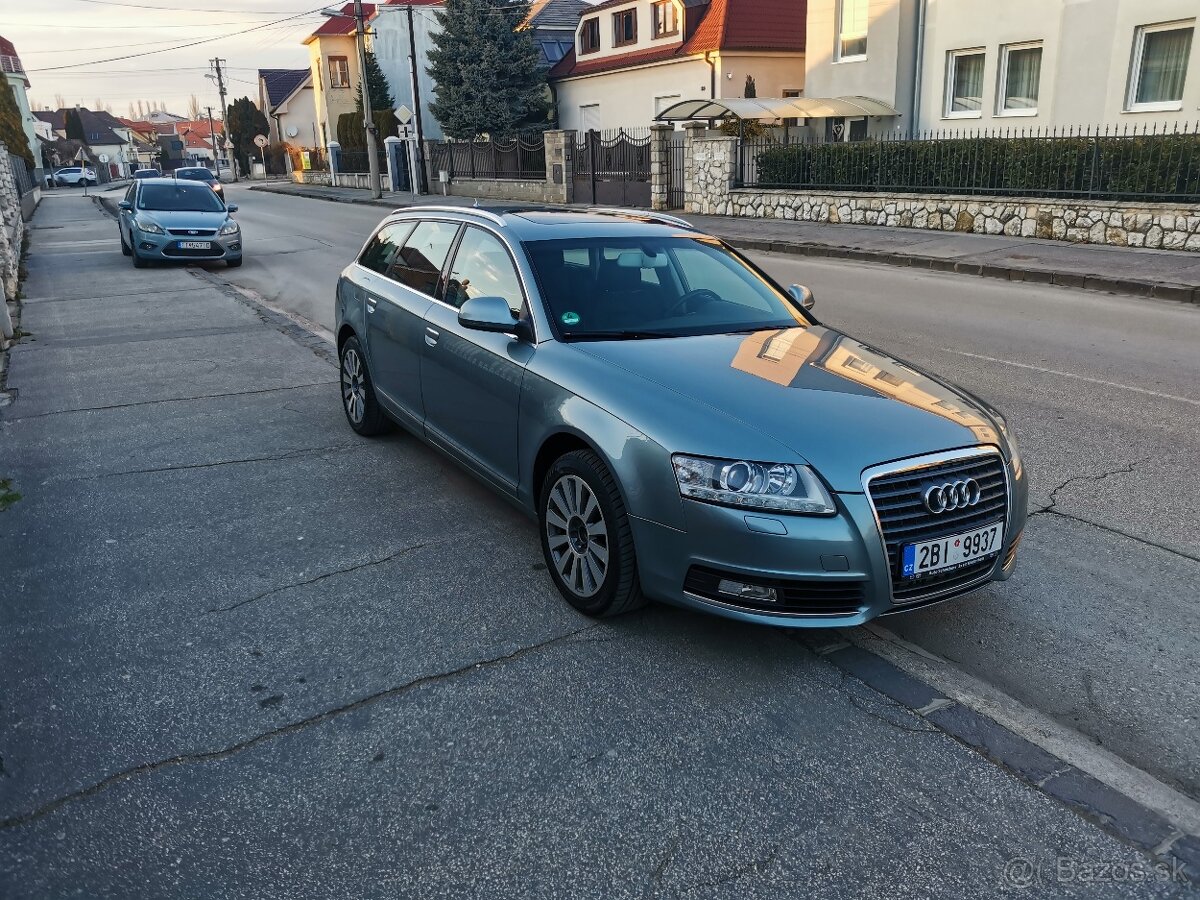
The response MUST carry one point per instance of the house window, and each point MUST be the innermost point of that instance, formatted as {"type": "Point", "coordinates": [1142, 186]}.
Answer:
{"type": "Point", "coordinates": [663, 101]}
{"type": "Point", "coordinates": [1020, 77]}
{"type": "Point", "coordinates": [589, 36]}
{"type": "Point", "coordinates": [792, 94]}
{"type": "Point", "coordinates": [1160, 59]}
{"type": "Point", "coordinates": [964, 84]}
{"type": "Point", "coordinates": [666, 19]}
{"type": "Point", "coordinates": [852, 30]}
{"type": "Point", "coordinates": [339, 72]}
{"type": "Point", "coordinates": [589, 117]}
{"type": "Point", "coordinates": [624, 27]}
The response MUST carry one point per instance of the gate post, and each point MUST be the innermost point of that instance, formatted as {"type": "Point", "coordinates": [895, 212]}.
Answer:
{"type": "Point", "coordinates": [692, 132]}
{"type": "Point", "coordinates": [660, 165]}
{"type": "Point", "coordinates": [559, 166]}
{"type": "Point", "coordinates": [335, 161]}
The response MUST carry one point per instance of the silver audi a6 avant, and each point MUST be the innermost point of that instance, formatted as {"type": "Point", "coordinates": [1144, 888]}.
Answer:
{"type": "Point", "coordinates": [682, 428]}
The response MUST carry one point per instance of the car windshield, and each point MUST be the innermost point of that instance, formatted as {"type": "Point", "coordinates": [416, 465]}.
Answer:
{"type": "Point", "coordinates": [601, 288]}
{"type": "Point", "coordinates": [180, 198]}
{"type": "Point", "coordinates": [195, 174]}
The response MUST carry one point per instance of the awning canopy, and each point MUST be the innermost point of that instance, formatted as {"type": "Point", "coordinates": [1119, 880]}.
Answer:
{"type": "Point", "coordinates": [771, 108]}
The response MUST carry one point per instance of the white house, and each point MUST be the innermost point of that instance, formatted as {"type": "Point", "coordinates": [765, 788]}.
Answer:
{"type": "Point", "coordinates": [963, 65]}
{"type": "Point", "coordinates": [633, 58]}
{"type": "Point", "coordinates": [393, 51]}
{"type": "Point", "coordinates": [287, 98]}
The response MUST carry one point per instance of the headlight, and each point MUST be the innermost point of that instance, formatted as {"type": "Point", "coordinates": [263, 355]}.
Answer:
{"type": "Point", "coordinates": [149, 227]}
{"type": "Point", "coordinates": [1014, 452]}
{"type": "Point", "coordinates": [754, 485]}
{"type": "Point", "coordinates": [230, 227]}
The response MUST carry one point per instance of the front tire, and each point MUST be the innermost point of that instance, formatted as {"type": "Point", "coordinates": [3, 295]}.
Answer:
{"type": "Point", "coordinates": [362, 410]}
{"type": "Point", "coordinates": [139, 262]}
{"type": "Point", "coordinates": [586, 538]}
{"type": "Point", "coordinates": [233, 263]}
{"type": "Point", "coordinates": [124, 246]}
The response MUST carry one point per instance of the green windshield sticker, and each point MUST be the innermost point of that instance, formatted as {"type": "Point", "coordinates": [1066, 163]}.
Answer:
{"type": "Point", "coordinates": [570, 318]}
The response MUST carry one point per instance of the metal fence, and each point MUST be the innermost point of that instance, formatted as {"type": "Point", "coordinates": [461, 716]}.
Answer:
{"type": "Point", "coordinates": [358, 161]}
{"type": "Point", "coordinates": [21, 174]}
{"type": "Point", "coordinates": [521, 158]}
{"type": "Point", "coordinates": [1147, 163]}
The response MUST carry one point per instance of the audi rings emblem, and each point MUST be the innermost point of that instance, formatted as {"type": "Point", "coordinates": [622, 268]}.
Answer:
{"type": "Point", "coordinates": [940, 498]}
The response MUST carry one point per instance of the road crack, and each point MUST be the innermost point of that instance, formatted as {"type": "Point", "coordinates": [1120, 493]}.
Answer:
{"type": "Point", "coordinates": [320, 718]}
{"type": "Point", "coordinates": [1053, 505]}
{"type": "Point", "coordinates": [274, 457]}
{"type": "Point", "coordinates": [756, 867]}
{"type": "Point", "coordinates": [326, 575]}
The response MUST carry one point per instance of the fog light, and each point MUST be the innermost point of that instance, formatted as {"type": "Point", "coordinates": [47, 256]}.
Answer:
{"type": "Point", "coordinates": [747, 591]}
{"type": "Point", "coordinates": [147, 245]}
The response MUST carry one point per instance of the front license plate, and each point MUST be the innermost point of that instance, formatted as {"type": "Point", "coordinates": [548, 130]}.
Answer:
{"type": "Point", "coordinates": [195, 245]}
{"type": "Point", "coordinates": [951, 552]}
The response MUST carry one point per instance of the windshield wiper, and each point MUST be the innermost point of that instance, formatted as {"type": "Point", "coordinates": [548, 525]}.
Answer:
{"type": "Point", "coordinates": [622, 335]}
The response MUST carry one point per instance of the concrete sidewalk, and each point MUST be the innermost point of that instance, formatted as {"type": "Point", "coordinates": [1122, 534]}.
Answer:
{"type": "Point", "coordinates": [1166, 274]}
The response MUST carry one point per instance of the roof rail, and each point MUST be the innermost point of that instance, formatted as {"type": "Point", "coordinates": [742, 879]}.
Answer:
{"type": "Point", "coordinates": [649, 215]}
{"type": "Point", "coordinates": [466, 210]}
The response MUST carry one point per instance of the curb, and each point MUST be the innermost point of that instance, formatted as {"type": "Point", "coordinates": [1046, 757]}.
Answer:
{"type": "Point", "coordinates": [1182, 293]}
{"type": "Point", "coordinates": [1109, 809]}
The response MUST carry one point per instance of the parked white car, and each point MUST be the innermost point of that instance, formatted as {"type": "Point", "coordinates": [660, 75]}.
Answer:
{"type": "Point", "coordinates": [75, 176]}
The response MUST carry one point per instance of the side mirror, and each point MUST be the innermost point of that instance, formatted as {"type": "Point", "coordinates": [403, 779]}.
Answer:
{"type": "Point", "coordinates": [488, 314]}
{"type": "Point", "coordinates": [125, 205]}
{"type": "Point", "coordinates": [231, 207]}
{"type": "Point", "coordinates": [803, 296]}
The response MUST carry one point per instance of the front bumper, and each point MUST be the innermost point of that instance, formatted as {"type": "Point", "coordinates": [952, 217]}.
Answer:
{"type": "Point", "coordinates": [165, 247]}
{"type": "Point", "coordinates": [829, 572]}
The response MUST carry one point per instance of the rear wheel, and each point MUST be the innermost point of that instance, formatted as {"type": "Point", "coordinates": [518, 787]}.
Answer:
{"type": "Point", "coordinates": [363, 411]}
{"type": "Point", "coordinates": [586, 539]}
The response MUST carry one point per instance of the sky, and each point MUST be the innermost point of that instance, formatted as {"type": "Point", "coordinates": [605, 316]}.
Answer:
{"type": "Point", "coordinates": [78, 34]}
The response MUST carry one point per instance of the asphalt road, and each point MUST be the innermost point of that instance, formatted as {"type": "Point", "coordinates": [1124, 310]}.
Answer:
{"type": "Point", "coordinates": [248, 654]}
{"type": "Point", "coordinates": [1098, 628]}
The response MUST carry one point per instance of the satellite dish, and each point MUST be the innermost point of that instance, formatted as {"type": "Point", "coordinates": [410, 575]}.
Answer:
{"type": "Point", "coordinates": [292, 131]}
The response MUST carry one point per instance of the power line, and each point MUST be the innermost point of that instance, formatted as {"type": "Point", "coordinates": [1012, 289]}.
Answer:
{"type": "Point", "coordinates": [173, 9]}
{"type": "Point", "coordinates": [72, 27]}
{"type": "Point", "coordinates": [219, 37]}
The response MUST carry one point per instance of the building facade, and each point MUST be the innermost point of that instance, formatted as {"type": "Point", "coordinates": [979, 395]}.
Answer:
{"type": "Point", "coordinates": [287, 98]}
{"type": "Point", "coordinates": [966, 65]}
{"type": "Point", "coordinates": [333, 61]}
{"type": "Point", "coordinates": [14, 75]}
{"type": "Point", "coordinates": [634, 58]}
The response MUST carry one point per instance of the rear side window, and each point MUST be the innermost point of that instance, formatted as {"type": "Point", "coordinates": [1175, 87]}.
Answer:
{"type": "Point", "coordinates": [418, 265]}
{"type": "Point", "coordinates": [381, 249]}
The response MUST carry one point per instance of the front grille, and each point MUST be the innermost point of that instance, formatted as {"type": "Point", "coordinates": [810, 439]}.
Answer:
{"type": "Point", "coordinates": [798, 598]}
{"type": "Point", "coordinates": [192, 232]}
{"type": "Point", "coordinates": [897, 498]}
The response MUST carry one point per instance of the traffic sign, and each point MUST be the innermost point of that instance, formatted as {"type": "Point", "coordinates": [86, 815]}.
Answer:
{"type": "Point", "coordinates": [103, 157]}
{"type": "Point", "coordinates": [260, 140]}
{"type": "Point", "coordinates": [81, 156]}
{"type": "Point", "coordinates": [404, 114]}
{"type": "Point", "coordinates": [406, 132]}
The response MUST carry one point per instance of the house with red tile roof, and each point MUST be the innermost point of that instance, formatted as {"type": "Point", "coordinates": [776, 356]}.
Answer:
{"type": "Point", "coordinates": [333, 61]}
{"type": "Point", "coordinates": [634, 58]}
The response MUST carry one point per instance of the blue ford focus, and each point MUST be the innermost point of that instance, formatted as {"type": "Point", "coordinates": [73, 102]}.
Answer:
{"type": "Point", "coordinates": [165, 219]}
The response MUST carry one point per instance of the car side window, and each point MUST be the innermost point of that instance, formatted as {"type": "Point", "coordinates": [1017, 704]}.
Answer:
{"type": "Point", "coordinates": [381, 249]}
{"type": "Point", "coordinates": [418, 265]}
{"type": "Point", "coordinates": [483, 268]}
{"type": "Point", "coordinates": [129, 193]}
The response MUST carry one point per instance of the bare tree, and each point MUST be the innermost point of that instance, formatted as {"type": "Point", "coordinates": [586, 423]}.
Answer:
{"type": "Point", "coordinates": [59, 101]}
{"type": "Point", "coordinates": [99, 105]}
{"type": "Point", "coordinates": [193, 107]}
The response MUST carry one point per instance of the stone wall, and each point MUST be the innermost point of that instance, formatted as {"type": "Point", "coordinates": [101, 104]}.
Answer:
{"type": "Point", "coordinates": [709, 190]}
{"type": "Point", "coordinates": [492, 189]}
{"type": "Point", "coordinates": [12, 227]}
{"type": "Point", "coordinates": [301, 176]}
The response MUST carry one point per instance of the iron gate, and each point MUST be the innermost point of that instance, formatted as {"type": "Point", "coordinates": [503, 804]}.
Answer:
{"type": "Point", "coordinates": [612, 168]}
{"type": "Point", "coordinates": [675, 199]}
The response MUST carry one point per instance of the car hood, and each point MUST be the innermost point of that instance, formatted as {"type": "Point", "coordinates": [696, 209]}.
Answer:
{"type": "Point", "coordinates": [185, 219]}
{"type": "Point", "coordinates": [841, 405]}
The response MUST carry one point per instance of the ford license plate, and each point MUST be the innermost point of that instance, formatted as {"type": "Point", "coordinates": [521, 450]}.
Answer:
{"type": "Point", "coordinates": [195, 245]}
{"type": "Point", "coordinates": [951, 552]}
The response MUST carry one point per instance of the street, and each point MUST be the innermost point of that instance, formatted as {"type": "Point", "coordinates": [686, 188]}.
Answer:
{"type": "Point", "coordinates": [1097, 628]}
{"type": "Point", "coordinates": [248, 654]}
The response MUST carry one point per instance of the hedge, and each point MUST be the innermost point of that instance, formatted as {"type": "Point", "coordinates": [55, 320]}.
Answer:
{"type": "Point", "coordinates": [1141, 167]}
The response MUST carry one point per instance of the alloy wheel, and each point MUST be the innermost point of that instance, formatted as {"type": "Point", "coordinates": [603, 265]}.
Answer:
{"type": "Point", "coordinates": [354, 393]}
{"type": "Point", "coordinates": [577, 535]}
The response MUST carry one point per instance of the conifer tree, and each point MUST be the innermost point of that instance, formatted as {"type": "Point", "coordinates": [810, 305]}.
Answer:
{"type": "Point", "coordinates": [377, 83]}
{"type": "Point", "coordinates": [485, 67]}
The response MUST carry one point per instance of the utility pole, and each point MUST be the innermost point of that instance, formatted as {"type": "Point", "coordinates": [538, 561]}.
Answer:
{"type": "Point", "coordinates": [360, 34]}
{"type": "Point", "coordinates": [212, 137]}
{"type": "Point", "coordinates": [419, 148]}
{"type": "Point", "coordinates": [216, 66]}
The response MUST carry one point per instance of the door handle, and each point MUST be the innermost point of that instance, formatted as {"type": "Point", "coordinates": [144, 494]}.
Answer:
{"type": "Point", "coordinates": [372, 302]}
{"type": "Point", "coordinates": [431, 336]}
